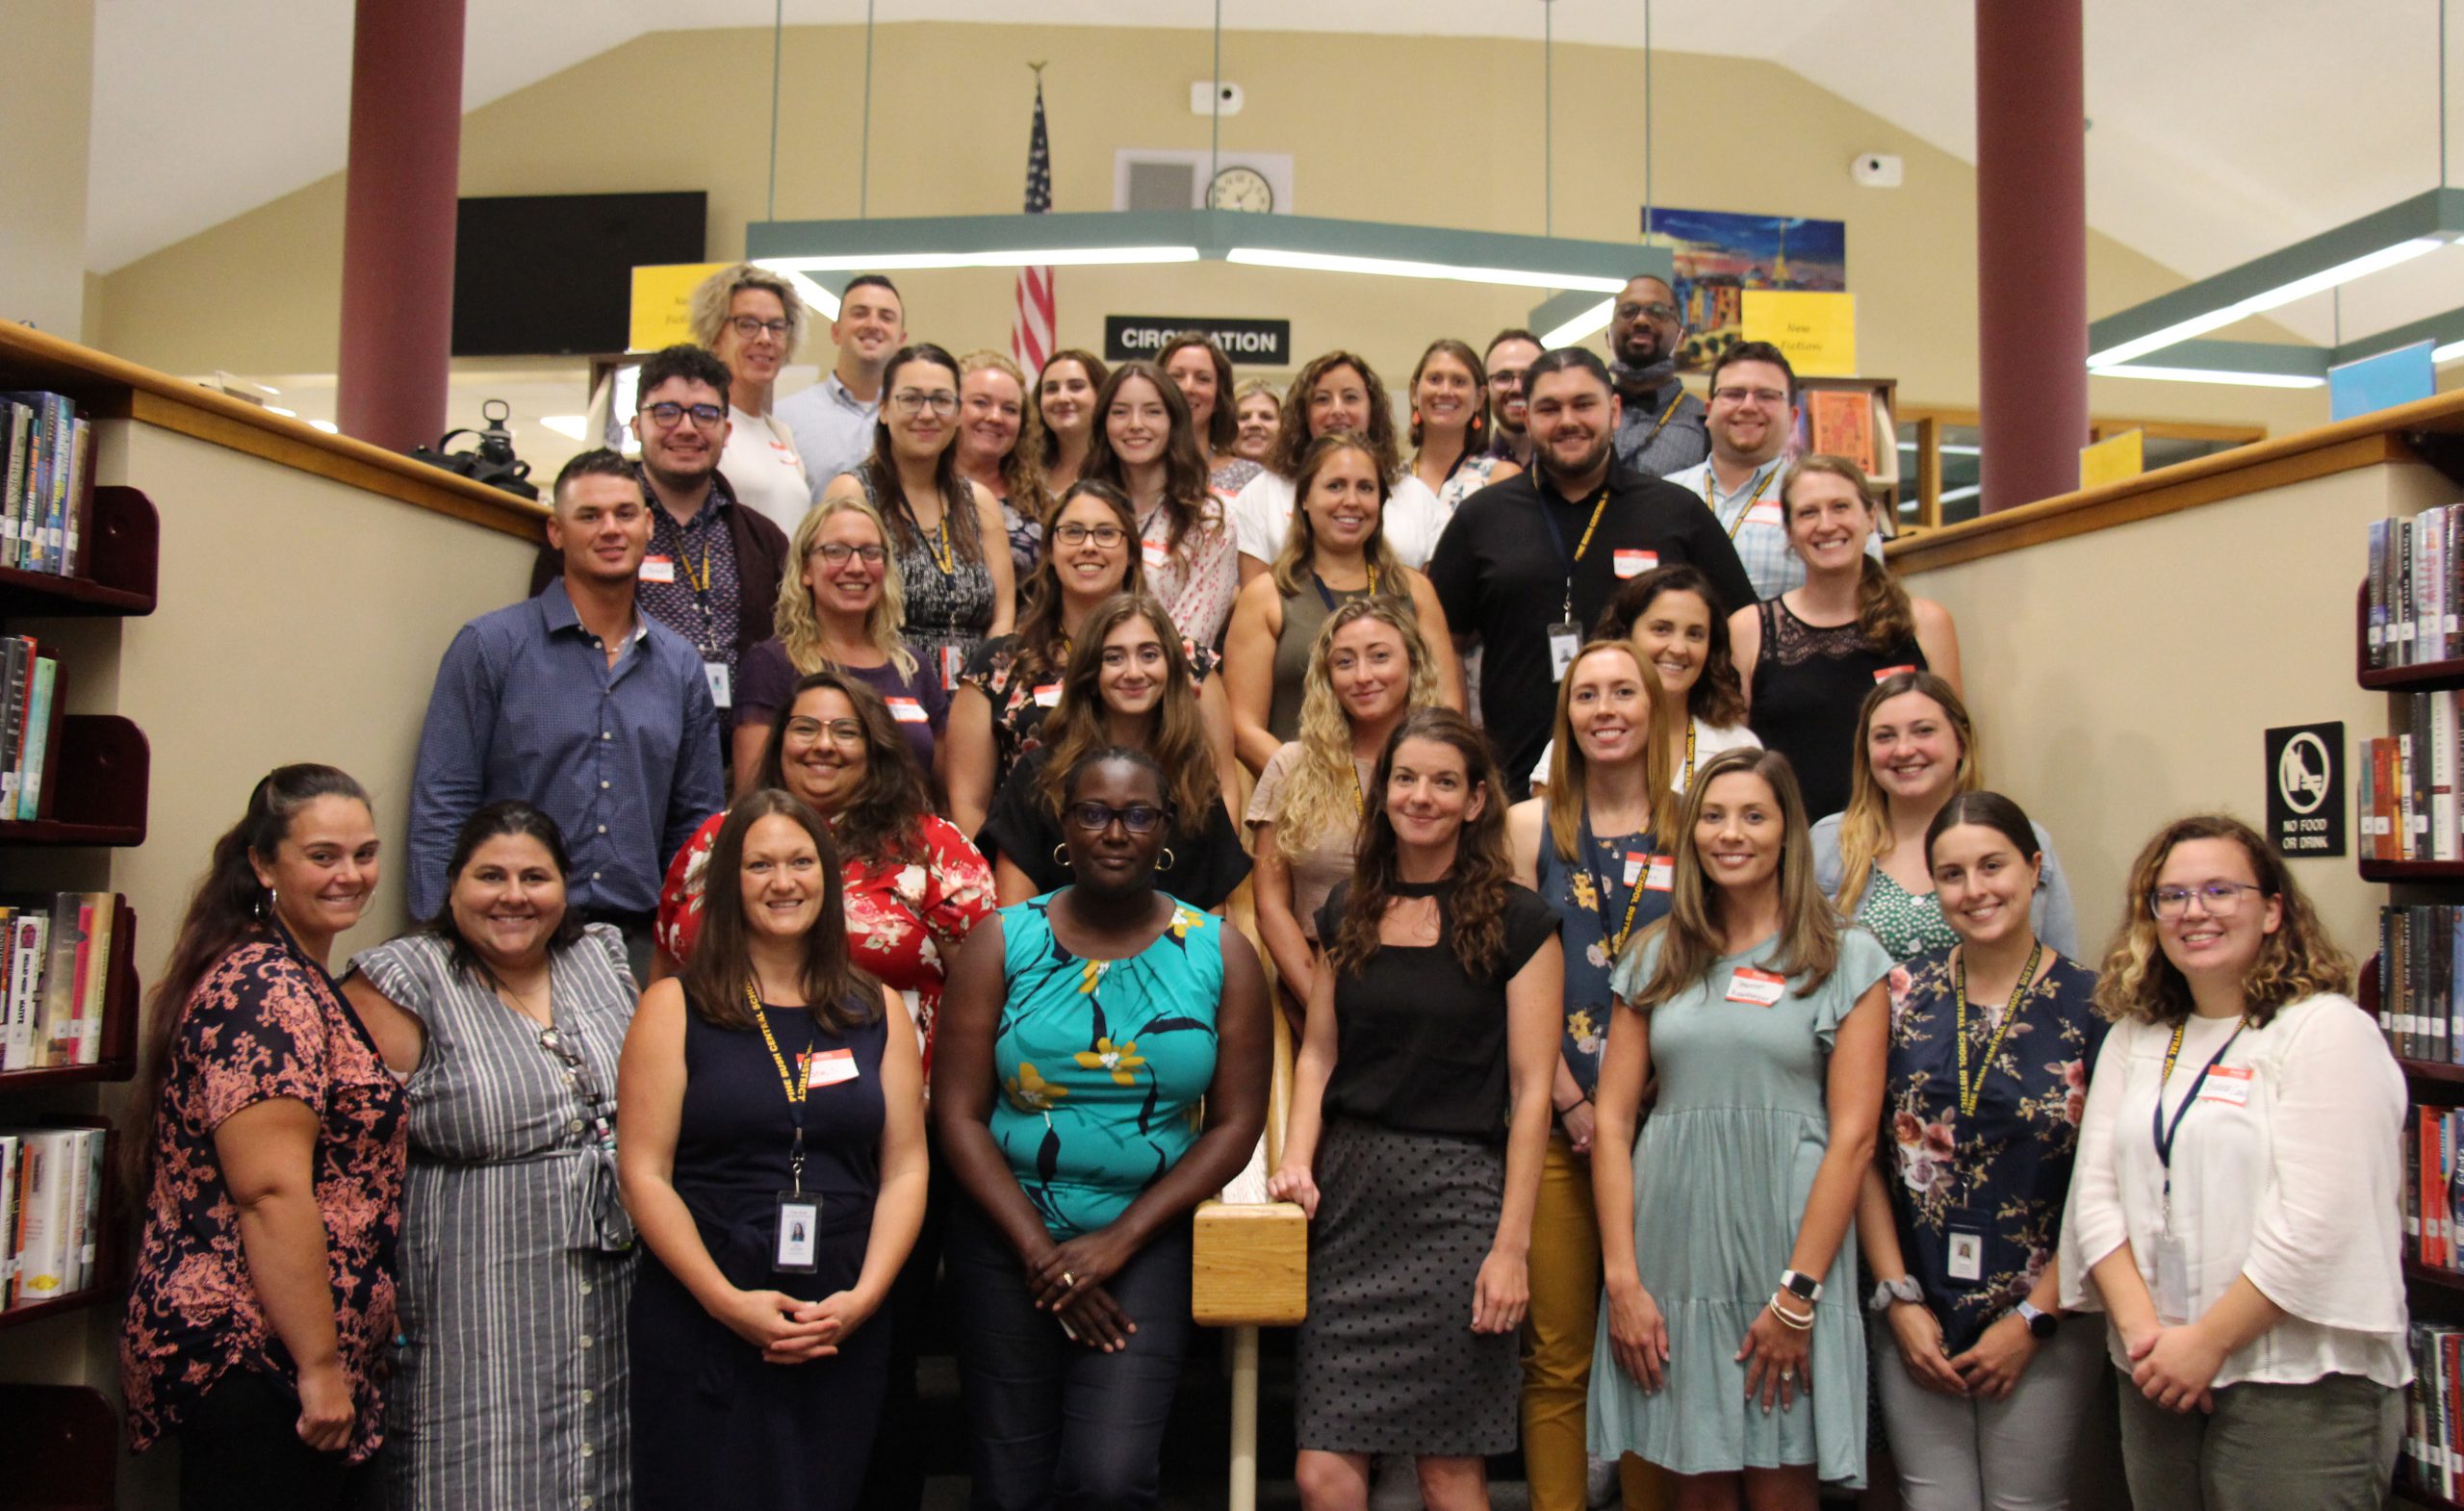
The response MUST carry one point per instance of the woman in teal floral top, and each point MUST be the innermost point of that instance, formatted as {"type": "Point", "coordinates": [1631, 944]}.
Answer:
{"type": "Point", "coordinates": [1103, 1066]}
{"type": "Point", "coordinates": [1982, 1391]}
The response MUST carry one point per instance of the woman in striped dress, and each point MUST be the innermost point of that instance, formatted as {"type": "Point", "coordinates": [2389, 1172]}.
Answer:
{"type": "Point", "coordinates": [505, 1015]}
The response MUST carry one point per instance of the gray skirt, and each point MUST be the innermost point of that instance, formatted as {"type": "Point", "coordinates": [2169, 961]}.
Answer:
{"type": "Point", "coordinates": [1387, 1359]}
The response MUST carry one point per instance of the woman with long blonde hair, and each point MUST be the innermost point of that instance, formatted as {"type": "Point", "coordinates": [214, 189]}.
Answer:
{"type": "Point", "coordinates": [1338, 391]}
{"type": "Point", "coordinates": [2237, 1206]}
{"type": "Point", "coordinates": [1370, 667]}
{"type": "Point", "coordinates": [839, 609]}
{"type": "Point", "coordinates": [1734, 1353]}
{"type": "Point", "coordinates": [1001, 447]}
{"type": "Point", "coordinates": [1915, 751]}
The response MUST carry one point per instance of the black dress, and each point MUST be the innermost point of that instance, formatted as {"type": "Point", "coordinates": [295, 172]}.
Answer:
{"type": "Point", "coordinates": [1208, 861]}
{"type": "Point", "coordinates": [713, 1424]}
{"type": "Point", "coordinates": [1809, 684]}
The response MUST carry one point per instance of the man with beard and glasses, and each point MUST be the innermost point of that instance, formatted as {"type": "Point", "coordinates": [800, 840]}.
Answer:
{"type": "Point", "coordinates": [712, 570]}
{"type": "Point", "coordinates": [1510, 355]}
{"type": "Point", "coordinates": [1526, 565]}
{"type": "Point", "coordinates": [1662, 428]}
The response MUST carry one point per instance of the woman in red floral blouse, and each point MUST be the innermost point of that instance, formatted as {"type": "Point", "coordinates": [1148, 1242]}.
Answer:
{"type": "Point", "coordinates": [272, 1169]}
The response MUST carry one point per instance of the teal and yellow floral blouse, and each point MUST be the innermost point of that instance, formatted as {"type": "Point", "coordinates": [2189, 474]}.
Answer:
{"type": "Point", "coordinates": [1103, 1064]}
{"type": "Point", "coordinates": [1590, 901]}
{"type": "Point", "coordinates": [2005, 1168]}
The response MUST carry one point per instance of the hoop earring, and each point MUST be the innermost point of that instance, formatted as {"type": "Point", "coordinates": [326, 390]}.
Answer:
{"type": "Point", "coordinates": [266, 902]}
{"type": "Point", "coordinates": [1166, 863]}
{"type": "Point", "coordinates": [1061, 855]}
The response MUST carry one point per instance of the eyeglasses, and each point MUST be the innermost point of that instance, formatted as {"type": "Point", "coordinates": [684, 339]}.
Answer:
{"type": "Point", "coordinates": [838, 731]}
{"type": "Point", "coordinates": [1074, 534]}
{"type": "Point", "coordinates": [1658, 313]}
{"type": "Point", "coordinates": [836, 552]}
{"type": "Point", "coordinates": [665, 414]}
{"type": "Point", "coordinates": [1139, 818]}
{"type": "Point", "coordinates": [748, 327]}
{"type": "Point", "coordinates": [2220, 899]}
{"type": "Point", "coordinates": [908, 400]}
{"type": "Point", "coordinates": [1740, 396]}
{"type": "Point", "coordinates": [1505, 382]}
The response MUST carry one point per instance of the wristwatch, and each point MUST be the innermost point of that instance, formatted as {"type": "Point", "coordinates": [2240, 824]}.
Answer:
{"type": "Point", "coordinates": [1805, 1287]}
{"type": "Point", "coordinates": [2041, 1325]}
{"type": "Point", "coordinates": [1886, 1292]}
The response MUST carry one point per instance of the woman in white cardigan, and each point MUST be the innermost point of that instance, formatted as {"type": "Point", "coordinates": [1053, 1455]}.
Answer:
{"type": "Point", "coordinates": [2237, 1204]}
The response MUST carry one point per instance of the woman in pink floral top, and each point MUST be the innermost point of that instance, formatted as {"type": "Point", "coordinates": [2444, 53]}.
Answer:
{"type": "Point", "coordinates": [265, 1286]}
{"type": "Point", "coordinates": [914, 885]}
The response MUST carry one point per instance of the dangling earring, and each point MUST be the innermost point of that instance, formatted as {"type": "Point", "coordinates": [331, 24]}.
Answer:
{"type": "Point", "coordinates": [1166, 864]}
{"type": "Point", "coordinates": [1416, 414]}
{"type": "Point", "coordinates": [1061, 855]}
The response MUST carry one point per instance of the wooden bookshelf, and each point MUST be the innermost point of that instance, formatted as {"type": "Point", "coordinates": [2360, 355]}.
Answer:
{"type": "Point", "coordinates": [109, 1279]}
{"type": "Point", "coordinates": [2392, 872]}
{"type": "Point", "coordinates": [61, 1445]}
{"type": "Point", "coordinates": [2427, 1499]}
{"type": "Point", "coordinates": [120, 562]}
{"type": "Point", "coordinates": [97, 779]}
{"type": "Point", "coordinates": [116, 1060]}
{"type": "Point", "coordinates": [2422, 676]}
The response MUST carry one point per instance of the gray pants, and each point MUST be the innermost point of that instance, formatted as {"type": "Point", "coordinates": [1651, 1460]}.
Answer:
{"type": "Point", "coordinates": [2014, 1454]}
{"type": "Point", "coordinates": [2327, 1445]}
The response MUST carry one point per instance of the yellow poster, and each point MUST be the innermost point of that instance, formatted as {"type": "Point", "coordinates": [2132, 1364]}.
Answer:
{"type": "Point", "coordinates": [2113, 459]}
{"type": "Point", "coordinates": [662, 304]}
{"type": "Point", "coordinates": [1818, 332]}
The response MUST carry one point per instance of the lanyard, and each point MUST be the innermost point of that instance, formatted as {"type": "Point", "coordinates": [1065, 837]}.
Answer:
{"type": "Point", "coordinates": [1688, 786]}
{"type": "Point", "coordinates": [792, 1083]}
{"type": "Point", "coordinates": [1711, 481]}
{"type": "Point", "coordinates": [2165, 1133]}
{"type": "Point", "coordinates": [1549, 517]}
{"type": "Point", "coordinates": [701, 585]}
{"type": "Point", "coordinates": [1969, 1092]}
{"type": "Point", "coordinates": [1661, 423]}
{"type": "Point", "coordinates": [1359, 798]}
{"type": "Point", "coordinates": [1327, 595]}
{"type": "Point", "coordinates": [1614, 938]}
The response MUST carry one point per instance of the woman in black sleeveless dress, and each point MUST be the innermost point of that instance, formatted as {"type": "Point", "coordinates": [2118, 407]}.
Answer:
{"type": "Point", "coordinates": [771, 1146]}
{"type": "Point", "coordinates": [1810, 656]}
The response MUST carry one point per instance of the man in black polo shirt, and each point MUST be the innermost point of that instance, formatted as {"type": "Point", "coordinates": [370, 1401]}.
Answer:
{"type": "Point", "coordinates": [1526, 565]}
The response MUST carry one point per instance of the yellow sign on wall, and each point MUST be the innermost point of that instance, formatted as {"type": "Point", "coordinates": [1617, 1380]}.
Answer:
{"type": "Point", "coordinates": [663, 304]}
{"type": "Point", "coordinates": [1818, 332]}
{"type": "Point", "coordinates": [2113, 459]}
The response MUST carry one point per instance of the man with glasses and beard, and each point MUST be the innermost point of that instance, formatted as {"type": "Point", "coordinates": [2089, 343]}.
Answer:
{"type": "Point", "coordinates": [1662, 430]}
{"type": "Point", "coordinates": [1526, 565]}
{"type": "Point", "coordinates": [1510, 355]}
{"type": "Point", "coordinates": [713, 567]}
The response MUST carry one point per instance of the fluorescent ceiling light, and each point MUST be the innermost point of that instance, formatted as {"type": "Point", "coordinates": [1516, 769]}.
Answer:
{"type": "Point", "coordinates": [327, 425]}
{"type": "Point", "coordinates": [1036, 257]}
{"type": "Point", "coordinates": [2272, 299]}
{"type": "Point", "coordinates": [1957, 494]}
{"type": "Point", "coordinates": [2447, 353]}
{"type": "Point", "coordinates": [1394, 268]}
{"type": "Point", "coordinates": [823, 302]}
{"type": "Point", "coordinates": [2210, 375]}
{"type": "Point", "coordinates": [1581, 327]}
{"type": "Point", "coordinates": [571, 426]}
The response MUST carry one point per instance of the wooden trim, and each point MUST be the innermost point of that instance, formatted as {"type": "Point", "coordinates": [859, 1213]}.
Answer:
{"type": "Point", "coordinates": [1929, 473]}
{"type": "Point", "coordinates": [2114, 425]}
{"type": "Point", "coordinates": [109, 387]}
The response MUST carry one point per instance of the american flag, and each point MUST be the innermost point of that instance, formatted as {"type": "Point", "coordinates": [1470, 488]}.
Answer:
{"type": "Point", "coordinates": [1031, 328]}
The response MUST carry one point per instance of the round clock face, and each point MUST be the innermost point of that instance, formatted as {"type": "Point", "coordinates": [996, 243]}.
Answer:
{"type": "Point", "coordinates": [1240, 189]}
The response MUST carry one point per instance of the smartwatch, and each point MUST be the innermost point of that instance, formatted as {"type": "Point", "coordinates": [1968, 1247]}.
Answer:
{"type": "Point", "coordinates": [1887, 1291]}
{"type": "Point", "coordinates": [1805, 1287]}
{"type": "Point", "coordinates": [2041, 1325]}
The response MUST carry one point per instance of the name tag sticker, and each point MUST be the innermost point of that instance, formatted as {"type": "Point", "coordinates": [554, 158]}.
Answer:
{"type": "Point", "coordinates": [1157, 557]}
{"type": "Point", "coordinates": [1635, 862]}
{"type": "Point", "coordinates": [1766, 512]}
{"type": "Point", "coordinates": [658, 569]}
{"type": "Point", "coordinates": [1661, 875]}
{"type": "Point", "coordinates": [1889, 672]}
{"type": "Point", "coordinates": [830, 1068]}
{"type": "Point", "coordinates": [906, 710]}
{"type": "Point", "coordinates": [1633, 563]}
{"type": "Point", "coordinates": [2227, 1084]}
{"type": "Point", "coordinates": [1756, 987]}
{"type": "Point", "coordinates": [1048, 696]}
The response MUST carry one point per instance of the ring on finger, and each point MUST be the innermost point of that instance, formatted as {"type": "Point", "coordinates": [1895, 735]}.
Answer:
{"type": "Point", "coordinates": [1067, 1280]}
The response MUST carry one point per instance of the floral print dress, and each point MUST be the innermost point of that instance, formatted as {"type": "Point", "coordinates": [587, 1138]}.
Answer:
{"type": "Point", "coordinates": [2003, 1169]}
{"type": "Point", "coordinates": [1590, 895]}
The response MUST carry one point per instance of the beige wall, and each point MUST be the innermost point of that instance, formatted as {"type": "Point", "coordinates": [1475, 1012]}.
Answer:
{"type": "Point", "coordinates": [46, 108]}
{"type": "Point", "coordinates": [687, 109]}
{"type": "Point", "coordinates": [2121, 679]}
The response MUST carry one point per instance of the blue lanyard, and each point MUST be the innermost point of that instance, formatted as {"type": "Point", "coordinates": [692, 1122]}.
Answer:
{"type": "Point", "coordinates": [2166, 1131]}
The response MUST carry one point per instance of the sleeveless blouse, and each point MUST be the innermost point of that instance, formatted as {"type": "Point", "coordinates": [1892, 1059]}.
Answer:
{"type": "Point", "coordinates": [947, 612]}
{"type": "Point", "coordinates": [1808, 683]}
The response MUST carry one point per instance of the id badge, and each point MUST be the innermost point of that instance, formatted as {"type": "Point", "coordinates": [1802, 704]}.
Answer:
{"type": "Point", "coordinates": [2172, 1281]}
{"type": "Point", "coordinates": [1632, 563]}
{"type": "Point", "coordinates": [716, 672]}
{"type": "Point", "coordinates": [1048, 696]}
{"type": "Point", "coordinates": [1635, 862]}
{"type": "Point", "coordinates": [830, 1068]}
{"type": "Point", "coordinates": [1565, 639]}
{"type": "Point", "coordinates": [799, 1233]}
{"type": "Point", "coordinates": [2229, 1085]}
{"type": "Point", "coordinates": [948, 662]}
{"type": "Point", "coordinates": [1660, 875]}
{"type": "Point", "coordinates": [1965, 1261]}
{"type": "Point", "coordinates": [1756, 987]}
{"type": "Point", "coordinates": [1155, 554]}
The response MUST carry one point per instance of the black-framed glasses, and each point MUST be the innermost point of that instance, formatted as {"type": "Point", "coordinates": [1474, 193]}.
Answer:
{"type": "Point", "coordinates": [1139, 818]}
{"type": "Point", "coordinates": [837, 554]}
{"type": "Point", "coordinates": [1074, 534]}
{"type": "Point", "coordinates": [749, 327]}
{"type": "Point", "coordinates": [667, 413]}
{"type": "Point", "coordinates": [1663, 314]}
{"type": "Point", "coordinates": [2220, 899]}
{"type": "Point", "coordinates": [838, 731]}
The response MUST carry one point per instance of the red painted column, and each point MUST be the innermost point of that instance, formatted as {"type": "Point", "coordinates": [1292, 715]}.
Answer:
{"type": "Point", "coordinates": [397, 220]}
{"type": "Point", "coordinates": [2031, 249]}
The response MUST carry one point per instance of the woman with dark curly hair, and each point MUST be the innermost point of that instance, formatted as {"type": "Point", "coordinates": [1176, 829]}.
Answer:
{"type": "Point", "coordinates": [1338, 391]}
{"type": "Point", "coordinates": [1419, 1115]}
{"type": "Point", "coordinates": [2237, 1207]}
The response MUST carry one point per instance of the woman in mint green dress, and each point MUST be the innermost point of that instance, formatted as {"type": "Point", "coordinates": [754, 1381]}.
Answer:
{"type": "Point", "coordinates": [1732, 1350]}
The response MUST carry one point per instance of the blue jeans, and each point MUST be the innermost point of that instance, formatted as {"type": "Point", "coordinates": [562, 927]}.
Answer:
{"type": "Point", "coordinates": [1052, 1424]}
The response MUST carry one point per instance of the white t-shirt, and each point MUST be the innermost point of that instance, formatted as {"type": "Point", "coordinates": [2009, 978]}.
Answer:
{"type": "Point", "coordinates": [2288, 1170]}
{"type": "Point", "coordinates": [762, 467]}
{"type": "Point", "coordinates": [1710, 739]}
{"type": "Point", "coordinates": [1262, 517]}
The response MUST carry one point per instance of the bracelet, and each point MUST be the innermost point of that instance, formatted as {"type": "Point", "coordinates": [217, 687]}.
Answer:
{"type": "Point", "coordinates": [1580, 1100]}
{"type": "Point", "coordinates": [1794, 1324]}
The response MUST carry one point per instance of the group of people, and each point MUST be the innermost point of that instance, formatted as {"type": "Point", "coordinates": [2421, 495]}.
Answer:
{"type": "Point", "coordinates": [830, 887]}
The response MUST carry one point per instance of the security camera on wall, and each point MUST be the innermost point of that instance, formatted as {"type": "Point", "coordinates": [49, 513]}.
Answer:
{"type": "Point", "coordinates": [1218, 96]}
{"type": "Point", "coordinates": [1878, 169]}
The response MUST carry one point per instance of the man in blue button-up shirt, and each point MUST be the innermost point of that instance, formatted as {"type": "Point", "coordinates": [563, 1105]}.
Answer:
{"type": "Point", "coordinates": [572, 701]}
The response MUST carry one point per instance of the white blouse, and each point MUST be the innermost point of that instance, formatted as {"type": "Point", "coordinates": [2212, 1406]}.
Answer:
{"type": "Point", "coordinates": [761, 466]}
{"type": "Point", "coordinates": [1412, 521]}
{"type": "Point", "coordinates": [2290, 1173]}
{"type": "Point", "coordinates": [1710, 739]}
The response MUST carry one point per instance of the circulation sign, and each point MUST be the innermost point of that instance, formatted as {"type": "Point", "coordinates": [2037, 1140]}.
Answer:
{"type": "Point", "coordinates": [2306, 789]}
{"type": "Point", "coordinates": [1250, 344]}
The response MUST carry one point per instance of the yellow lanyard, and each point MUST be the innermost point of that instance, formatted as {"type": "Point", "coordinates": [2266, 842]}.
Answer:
{"type": "Point", "coordinates": [1665, 414]}
{"type": "Point", "coordinates": [937, 545]}
{"type": "Point", "coordinates": [1969, 1092]}
{"type": "Point", "coordinates": [1688, 784]}
{"type": "Point", "coordinates": [702, 583]}
{"type": "Point", "coordinates": [1711, 481]}
{"type": "Point", "coordinates": [794, 1084]}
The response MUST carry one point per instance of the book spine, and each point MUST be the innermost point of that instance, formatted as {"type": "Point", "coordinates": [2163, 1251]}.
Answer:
{"type": "Point", "coordinates": [2408, 618]}
{"type": "Point", "coordinates": [82, 501]}
{"type": "Point", "coordinates": [2431, 569]}
{"type": "Point", "coordinates": [58, 993]}
{"type": "Point", "coordinates": [73, 494]}
{"type": "Point", "coordinates": [18, 443]}
{"type": "Point", "coordinates": [25, 975]}
{"type": "Point", "coordinates": [37, 735]}
{"type": "Point", "coordinates": [16, 1031]}
{"type": "Point", "coordinates": [55, 509]}
{"type": "Point", "coordinates": [95, 1001]}
{"type": "Point", "coordinates": [42, 1241]}
{"type": "Point", "coordinates": [8, 1219]}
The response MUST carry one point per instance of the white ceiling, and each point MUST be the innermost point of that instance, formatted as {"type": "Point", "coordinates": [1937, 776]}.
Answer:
{"type": "Point", "coordinates": [2223, 128]}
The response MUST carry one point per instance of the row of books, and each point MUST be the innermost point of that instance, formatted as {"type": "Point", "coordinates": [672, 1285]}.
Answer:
{"type": "Point", "coordinates": [51, 1212]}
{"type": "Point", "coordinates": [2421, 1002]}
{"type": "Point", "coordinates": [2433, 1193]}
{"type": "Point", "coordinates": [2406, 789]}
{"type": "Point", "coordinates": [47, 483]}
{"type": "Point", "coordinates": [2416, 606]}
{"type": "Point", "coordinates": [30, 702]}
{"type": "Point", "coordinates": [2433, 1457]}
{"type": "Point", "coordinates": [55, 971]}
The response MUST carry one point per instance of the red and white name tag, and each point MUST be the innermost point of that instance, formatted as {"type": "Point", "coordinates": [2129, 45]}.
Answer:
{"type": "Point", "coordinates": [658, 569]}
{"type": "Point", "coordinates": [1157, 556]}
{"type": "Point", "coordinates": [1048, 696]}
{"type": "Point", "coordinates": [1889, 672]}
{"type": "Point", "coordinates": [1768, 513]}
{"type": "Point", "coordinates": [1759, 988]}
{"type": "Point", "coordinates": [829, 1067]}
{"type": "Point", "coordinates": [906, 710]}
{"type": "Point", "coordinates": [1635, 862]}
{"type": "Point", "coordinates": [1661, 875]}
{"type": "Point", "coordinates": [1633, 563]}
{"type": "Point", "coordinates": [2229, 1083]}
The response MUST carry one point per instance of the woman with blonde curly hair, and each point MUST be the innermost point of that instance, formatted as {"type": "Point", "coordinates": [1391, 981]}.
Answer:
{"type": "Point", "coordinates": [1369, 668]}
{"type": "Point", "coordinates": [1001, 446]}
{"type": "Point", "coordinates": [2236, 1211]}
{"type": "Point", "coordinates": [751, 318]}
{"type": "Point", "coordinates": [839, 609]}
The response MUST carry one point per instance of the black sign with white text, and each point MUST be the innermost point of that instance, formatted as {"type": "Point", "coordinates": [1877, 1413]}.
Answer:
{"type": "Point", "coordinates": [1250, 344]}
{"type": "Point", "coordinates": [2306, 789]}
